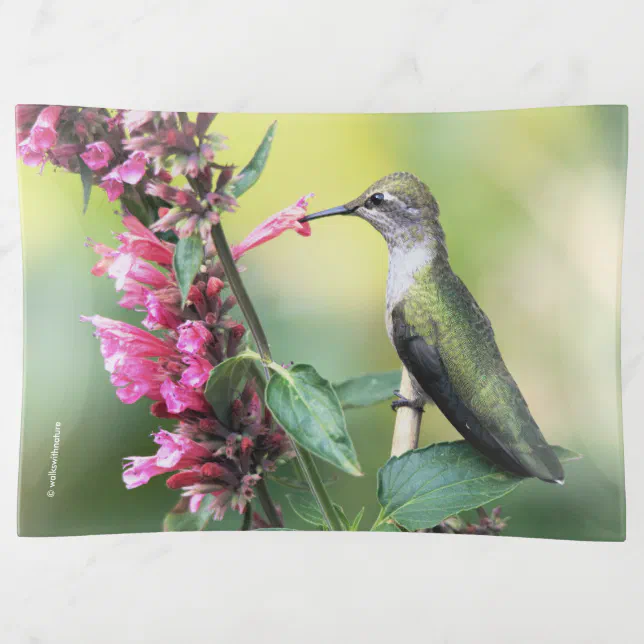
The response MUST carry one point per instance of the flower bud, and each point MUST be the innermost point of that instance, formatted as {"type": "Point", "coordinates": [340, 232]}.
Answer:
{"type": "Point", "coordinates": [215, 286]}
{"type": "Point", "coordinates": [228, 304]}
{"type": "Point", "coordinates": [204, 119]}
{"type": "Point", "coordinates": [213, 470]}
{"type": "Point", "coordinates": [183, 479]}
{"type": "Point", "coordinates": [187, 227]}
{"type": "Point", "coordinates": [224, 177]}
{"type": "Point", "coordinates": [235, 336]}
{"type": "Point", "coordinates": [160, 410]}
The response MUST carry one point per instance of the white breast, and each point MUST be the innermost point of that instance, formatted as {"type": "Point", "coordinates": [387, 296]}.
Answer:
{"type": "Point", "coordinates": [403, 266]}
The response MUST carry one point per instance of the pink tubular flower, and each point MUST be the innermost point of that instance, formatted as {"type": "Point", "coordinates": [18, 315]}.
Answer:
{"type": "Point", "coordinates": [134, 120]}
{"type": "Point", "coordinates": [143, 243]}
{"type": "Point", "coordinates": [197, 373]}
{"type": "Point", "coordinates": [140, 469]}
{"type": "Point", "coordinates": [179, 398]}
{"type": "Point", "coordinates": [138, 377]}
{"type": "Point", "coordinates": [133, 169]}
{"type": "Point", "coordinates": [128, 265]}
{"type": "Point", "coordinates": [275, 225]}
{"type": "Point", "coordinates": [120, 339]}
{"type": "Point", "coordinates": [134, 295]}
{"type": "Point", "coordinates": [97, 155]}
{"type": "Point", "coordinates": [159, 316]}
{"type": "Point", "coordinates": [179, 452]}
{"type": "Point", "coordinates": [43, 134]}
{"type": "Point", "coordinates": [176, 452]}
{"type": "Point", "coordinates": [112, 184]}
{"type": "Point", "coordinates": [30, 157]}
{"type": "Point", "coordinates": [193, 337]}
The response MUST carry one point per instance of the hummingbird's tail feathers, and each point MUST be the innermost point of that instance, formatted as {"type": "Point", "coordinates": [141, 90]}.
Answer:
{"type": "Point", "coordinates": [534, 460]}
{"type": "Point", "coordinates": [531, 459]}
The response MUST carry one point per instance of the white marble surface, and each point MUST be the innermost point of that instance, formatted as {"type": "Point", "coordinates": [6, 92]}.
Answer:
{"type": "Point", "coordinates": [323, 56]}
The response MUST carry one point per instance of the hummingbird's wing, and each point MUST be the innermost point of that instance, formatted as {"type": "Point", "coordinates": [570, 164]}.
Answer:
{"type": "Point", "coordinates": [448, 346]}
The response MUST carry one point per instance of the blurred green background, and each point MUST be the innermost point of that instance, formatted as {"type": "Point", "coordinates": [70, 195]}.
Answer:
{"type": "Point", "coordinates": [532, 202]}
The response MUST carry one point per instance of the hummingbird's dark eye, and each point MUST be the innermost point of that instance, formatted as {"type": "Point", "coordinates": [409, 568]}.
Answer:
{"type": "Point", "coordinates": [376, 199]}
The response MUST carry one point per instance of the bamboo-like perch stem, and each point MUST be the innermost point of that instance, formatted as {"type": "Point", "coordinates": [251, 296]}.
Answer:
{"type": "Point", "coordinates": [407, 425]}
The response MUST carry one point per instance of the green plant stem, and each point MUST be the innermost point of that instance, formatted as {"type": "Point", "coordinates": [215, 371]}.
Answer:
{"type": "Point", "coordinates": [267, 504]}
{"type": "Point", "coordinates": [243, 299]}
{"type": "Point", "coordinates": [312, 476]}
{"type": "Point", "coordinates": [248, 515]}
{"type": "Point", "coordinates": [380, 519]}
{"type": "Point", "coordinates": [305, 459]}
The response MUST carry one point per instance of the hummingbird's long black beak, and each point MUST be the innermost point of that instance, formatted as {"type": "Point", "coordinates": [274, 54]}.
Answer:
{"type": "Point", "coordinates": [339, 210]}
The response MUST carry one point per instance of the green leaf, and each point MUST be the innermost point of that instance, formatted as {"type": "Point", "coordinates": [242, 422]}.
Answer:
{"type": "Point", "coordinates": [87, 177]}
{"type": "Point", "coordinates": [227, 381]}
{"type": "Point", "coordinates": [136, 208]}
{"type": "Point", "coordinates": [307, 509]}
{"type": "Point", "coordinates": [308, 409]}
{"type": "Point", "coordinates": [422, 487]}
{"type": "Point", "coordinates": [188, 257]}
{"type": "Point", "coordinates": [274, 530]}
{"type": "Point", "coordinates": [342, 516]}
{"type": "Point", "coordinates": [356, 522]}
{"type": "Point", "coordinates": [180, 519]}
{"type": "Point", "coordinates": [367, 390]}
{"type": "Point", "coordinates": [250, 174]}
{"type": "Point", "coordinates": [386, 527]}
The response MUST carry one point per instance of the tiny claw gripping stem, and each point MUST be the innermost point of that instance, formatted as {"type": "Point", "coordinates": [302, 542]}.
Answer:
{"type": "Point", "coordinates": [405, 402]}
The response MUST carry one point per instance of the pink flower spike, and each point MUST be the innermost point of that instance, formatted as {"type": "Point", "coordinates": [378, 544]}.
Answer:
{"type": "Point", "coordinates": [193, 337]}
{"type": "Point", "coordinates": [275, 225]}
{"type": "Point", "coordinates": [133, 170]}
{"type": "Point", "coordinates": [97, 155]}
{"type": "Point", "coordinates": [113, 185]}
{"type": "Point", "coordinates": [179, 398]}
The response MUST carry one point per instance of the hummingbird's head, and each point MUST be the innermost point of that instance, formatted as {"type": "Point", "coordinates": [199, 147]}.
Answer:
{"type": "Point", "coordinates": [399, 206]}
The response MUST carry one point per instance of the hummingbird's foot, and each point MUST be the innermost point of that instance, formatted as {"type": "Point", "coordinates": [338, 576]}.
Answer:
{"type": "Point", "coordinates": [418, 404]}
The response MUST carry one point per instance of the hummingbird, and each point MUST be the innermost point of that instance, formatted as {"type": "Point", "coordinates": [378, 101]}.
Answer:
{"type": "Point", "coordinates": [442, 335]}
